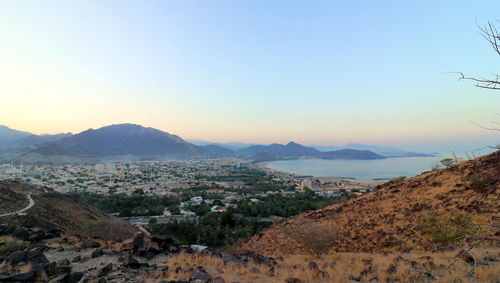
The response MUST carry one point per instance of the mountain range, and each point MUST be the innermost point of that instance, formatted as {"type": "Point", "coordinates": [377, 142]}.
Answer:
{"type": "Point", "coordinates": [380, 150]}
{"type": "Point", "coordinates": [135, 142]}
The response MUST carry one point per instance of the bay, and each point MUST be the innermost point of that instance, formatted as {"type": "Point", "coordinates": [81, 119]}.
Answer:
{"type": "Point", "coordinates": [359, 169]}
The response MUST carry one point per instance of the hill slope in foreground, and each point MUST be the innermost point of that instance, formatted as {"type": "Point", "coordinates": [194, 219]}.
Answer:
{"type": "Point", "coordinates": [388, 218]}
{"type": "Point", "coordinates": [53, 210]}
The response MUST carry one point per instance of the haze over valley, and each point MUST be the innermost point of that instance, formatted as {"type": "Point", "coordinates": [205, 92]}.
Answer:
{"type": "Point", "coordinates": [323, 141]}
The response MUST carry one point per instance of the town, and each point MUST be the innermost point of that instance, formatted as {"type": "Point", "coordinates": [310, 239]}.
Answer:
{"type": "Point", "coordinates": [166, 195]}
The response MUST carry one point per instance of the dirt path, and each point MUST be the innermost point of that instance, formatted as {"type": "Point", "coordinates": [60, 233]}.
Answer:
{"type": "Point", "coordinates": [30, 205]}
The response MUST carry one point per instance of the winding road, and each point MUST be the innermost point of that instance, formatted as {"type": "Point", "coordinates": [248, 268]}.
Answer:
{"type": "Point", "coordinates": [30, 205]}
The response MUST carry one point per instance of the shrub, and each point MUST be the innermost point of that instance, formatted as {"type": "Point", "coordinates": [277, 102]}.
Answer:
{"type": "Point", "coordinates": [448, 162]}
{"type": "Point", "coordinates": [446, 228]}
{"type": "Point", "coordinates": [476, 183]}
{"type": "Point", "coordinates": [315, 237]}
{"type": "Point", "coordinates": [10, 245]}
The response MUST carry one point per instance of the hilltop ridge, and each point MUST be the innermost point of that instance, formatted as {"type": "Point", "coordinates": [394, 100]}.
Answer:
{"type": "Point", "coordinates": [385, 220]}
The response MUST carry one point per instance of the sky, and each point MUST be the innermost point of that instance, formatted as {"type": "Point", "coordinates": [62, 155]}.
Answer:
{"type": "Point", "coordinates": [315, 72]}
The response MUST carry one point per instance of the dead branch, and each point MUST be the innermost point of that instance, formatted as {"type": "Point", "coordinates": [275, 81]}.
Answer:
{"type": "Point", "coordinates": [491, 34]}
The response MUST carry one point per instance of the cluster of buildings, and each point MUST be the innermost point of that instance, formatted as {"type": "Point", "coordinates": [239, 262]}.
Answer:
{"type": "Point", "coordinates": [153, 177]}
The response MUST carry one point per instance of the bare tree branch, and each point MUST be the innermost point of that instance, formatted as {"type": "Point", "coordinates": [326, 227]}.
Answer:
{"type": "Point", "coordinates": [491, 34]}
{"type": "Point", "coordinates": [486, 128]}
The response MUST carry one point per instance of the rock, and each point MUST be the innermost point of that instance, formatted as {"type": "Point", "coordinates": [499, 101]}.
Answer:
{"type": "Point", "coordinates": [51, 268]}
{"type": "Point", "coordinates": [234, 258]}
{"type": "Point", "coordinates": [63, 269]}
{"type": "Point", "coordinates": [36, 256]}
{"type": "Point", "coordinates": [77, 258]}
{"type": "Point", "coordinates": [153, 248]}
{"type": "Point", "coordinates": [21, 233]}
{"type": "Point", "coordinates": [64, 262]}
{"type": "Point", "coordinates": [212, 252]}
{"type": "Point", "coordinates": [73, 277]}
{"type": "Point", "coordinates": [36, 236]}
{"type": "Point", "coordinates": [106, 269]}
{"type": "Point", "coordinates": [90, 244]}
{"type": "Point", "coordinates": [163, 242]}
{"type": "Point", "coordinates": [23, 277]}
{"type": "Point", "coordinates": [16, 257]}
{"type": "Point", "coordinates": [219, 279]}
{"type": "Point", "coordinates": [392, 269]}
{"type": "Point", "coordinates": [149, 255]}
{"type": "Point", "coordinates": [96, 253]}
{"type": "Point", "coordinates": [135, 243]}
{"type": "Point", "coordinates": [172, 249]}
{"type": "Point", "coordinates": [260, 259]}
{"type": "Point", "coordinates": [200, 276]}
{"type": "Point", "coordinates": [294, 280]}
{"type": "Point", "coordinates": [131, 262]}
{"type": "Point", "coordinates": [4, 277]}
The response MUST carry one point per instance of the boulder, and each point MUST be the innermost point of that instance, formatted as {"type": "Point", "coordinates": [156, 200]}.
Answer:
{"type": "Point", "coordinates": [131, 262]}
{"type": "Point", "coordinates": [135, 243]}
{"type": "Point", "coordinates": [73, 277]}
{"type": "Point", "coordinates": [16, 257]}
{"type": "Point", "coordinates": [21, 233]}
{"type": "Point", "coordinates": [36, 256]}
{"type": "Point", "coordinates": [106, 269]}
{"type": "Point", "coordinates": [23, 277]}
{"type": "Point", "coordinates": [200, 276]}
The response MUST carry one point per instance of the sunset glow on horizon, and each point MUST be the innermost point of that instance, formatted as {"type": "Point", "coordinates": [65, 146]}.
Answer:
{"type": "Point", "coordinates": [321, 72]}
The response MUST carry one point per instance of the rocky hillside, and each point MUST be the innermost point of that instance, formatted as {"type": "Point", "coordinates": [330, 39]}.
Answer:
{"type": "Point", "coordinates": [391, 217]}
{"type": "Point", "coordinates": [53, 210]}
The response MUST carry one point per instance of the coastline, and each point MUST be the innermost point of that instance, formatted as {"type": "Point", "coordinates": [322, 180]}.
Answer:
{"type": "Point", "coordinates": [262, 165]}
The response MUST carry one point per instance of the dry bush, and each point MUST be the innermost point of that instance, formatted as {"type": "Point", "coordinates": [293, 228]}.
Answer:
{"type": "Point", "coordinates": [315, 237]}
{"type": "Point", "coordinates": [9, 245]}
{"type": "Point", "coordinates": [446, 228]}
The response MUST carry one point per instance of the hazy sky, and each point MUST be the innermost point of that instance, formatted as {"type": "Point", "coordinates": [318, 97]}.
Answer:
{"type": "Point", "coordinates": [316, 72]}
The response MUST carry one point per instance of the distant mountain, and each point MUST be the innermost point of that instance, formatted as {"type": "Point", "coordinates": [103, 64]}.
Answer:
{"type": "Point", "coordinates": [121, 139]}
{"type": "Point", "coordinates": [213, 150]}
{"type": "Point", "coordinates": [228, 145]}
{"type": "Point", "coordinates": [351, 154]}
{"type": "Point", "coordinates": [381, 150]}
{"type": "Point", "coordinates": [263, 156]}
{"type": "Point", "coordinates": [32, 140]}
{"type": "Point", "coordinates": [291, 149]}
{"type": "Point", "coordinates": [8, 135]}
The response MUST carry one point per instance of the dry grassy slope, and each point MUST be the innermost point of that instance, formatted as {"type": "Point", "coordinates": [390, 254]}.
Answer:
{"type": "Point", "coordinates": [385, 219]}
{"type": "Point", "coordinates": [10, 200]}
{"type": "Point", "coordinates": [56, 210]}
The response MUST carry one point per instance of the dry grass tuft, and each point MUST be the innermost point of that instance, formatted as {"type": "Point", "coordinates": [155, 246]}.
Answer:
{"type": "Point", "coordinates": [339, 267]}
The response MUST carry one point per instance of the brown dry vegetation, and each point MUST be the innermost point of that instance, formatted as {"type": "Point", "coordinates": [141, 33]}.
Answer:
{"type": "Point", "coordinates": [387, 219]}
{"type": "Point", "coordinates": [340, 267]}
{"type": "Point", "coordinates": [10, 200]}
{"type": "Point", "coordinates": [56, 210]}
